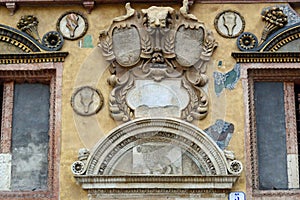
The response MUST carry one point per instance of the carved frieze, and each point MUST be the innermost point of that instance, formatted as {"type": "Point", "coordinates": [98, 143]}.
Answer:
{"type": "Point", "coordinates": [157, 48]}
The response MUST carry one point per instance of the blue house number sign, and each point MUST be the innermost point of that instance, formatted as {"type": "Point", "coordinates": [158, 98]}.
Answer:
{"type": "Point", "coordinates": [236, 196]}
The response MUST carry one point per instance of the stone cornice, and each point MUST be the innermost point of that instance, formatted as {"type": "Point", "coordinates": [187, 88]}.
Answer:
{"type": "Point", "coordinates": [156, 184]}
{"type": "Point", "coordinates": [89, 5]}
{"type": "Point", "coordinates": [36, 57]}
{"type": "Point", "coordinates": [266, 57]}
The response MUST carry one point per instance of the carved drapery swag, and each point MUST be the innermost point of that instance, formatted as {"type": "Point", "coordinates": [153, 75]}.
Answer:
{"type": "Point", "coordinates": [165, 47]}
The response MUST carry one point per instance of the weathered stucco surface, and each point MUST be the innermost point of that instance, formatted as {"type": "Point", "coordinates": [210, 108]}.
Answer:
{"type": "Point", "coordinates": [86, 66]}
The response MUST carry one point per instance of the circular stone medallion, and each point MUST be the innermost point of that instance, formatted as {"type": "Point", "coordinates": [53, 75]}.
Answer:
{"type": "Point", "coordinates": [229, 24]}
{"type": "Point", "coordinates": [87, 101]}
{"type": "Point", "coordinates": [72, 25]}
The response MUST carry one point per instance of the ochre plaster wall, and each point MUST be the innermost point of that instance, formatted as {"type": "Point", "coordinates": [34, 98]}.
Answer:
{"type": "Point", "coordinates": [85, 66]}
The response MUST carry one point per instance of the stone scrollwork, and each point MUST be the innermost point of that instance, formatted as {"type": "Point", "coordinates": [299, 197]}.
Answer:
{"type": "Point", "coordinates": [53, 40]}
{"type": "Point", "coordinates": [235, 167]}
{"type": "Point", "coordinates": [157, 48]}
{"type": "Point", "coordinates": [247, 41]}
{"type": "Point", "coordinates": [79, 166]}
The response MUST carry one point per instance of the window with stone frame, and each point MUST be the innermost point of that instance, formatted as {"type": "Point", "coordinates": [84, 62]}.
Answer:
{"type": "Point", "coordinates": [271, 93]}
{"type": "Point", "coordinates": [30, 130]}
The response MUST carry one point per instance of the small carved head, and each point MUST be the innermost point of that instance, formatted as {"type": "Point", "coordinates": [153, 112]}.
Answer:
{"type": "Point", "coordinates": [157, 16]}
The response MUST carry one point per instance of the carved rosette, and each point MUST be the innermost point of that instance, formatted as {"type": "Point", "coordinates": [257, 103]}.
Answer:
{"type": "Point", "coordinates": [163, 47]}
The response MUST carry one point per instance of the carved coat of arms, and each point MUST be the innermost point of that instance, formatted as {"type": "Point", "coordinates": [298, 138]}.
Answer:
{"type": "Point", "coordinates": [158, 62]}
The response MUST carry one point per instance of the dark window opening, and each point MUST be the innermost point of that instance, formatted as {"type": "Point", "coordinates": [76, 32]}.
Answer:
{"type": "Point", "coordinates": [271, 135]}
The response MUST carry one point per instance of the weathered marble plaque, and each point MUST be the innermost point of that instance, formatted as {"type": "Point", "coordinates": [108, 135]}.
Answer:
{"type": "Point", "coordinates": [158, 99]}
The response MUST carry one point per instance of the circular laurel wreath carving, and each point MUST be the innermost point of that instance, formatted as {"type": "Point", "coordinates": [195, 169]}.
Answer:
{"type": "Point", "coordinates": [77, 167]}
{"type": "Point", "coordinates": [235, 167]}
{"type": "Point", "coordinates": [247, 41]}
{"type": "Point", "coordinates": [87, 101]}
{"type": "Point", "coordinates": [53, 40]}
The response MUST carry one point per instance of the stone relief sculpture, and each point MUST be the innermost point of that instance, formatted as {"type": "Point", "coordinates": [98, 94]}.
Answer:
{"type": "Point", "coordinates": [158, 59]}
{"type": "Point", "coordinates": [87, 101]}
{"type": "Point", "coordinates": [51, 41]}
{"type": "Point", "coordinates": [156, 155]}
{"type": "Point", "coordinates": [157, 48]}
{"type": "Point", "coordinates": [274, 18]}
{"type": "Point", "coordinates": [72, 25]}
{"type": "Point", "coordinates": [184, 10]}
{"type": "Point", "coordinates": [279, 20]}
{"type": "Point", "coordinates": [229, 23]}
{"type": "Point", "coordinates": [29, 24]}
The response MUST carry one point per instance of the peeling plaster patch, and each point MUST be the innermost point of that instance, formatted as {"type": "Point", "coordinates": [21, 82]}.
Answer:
{"type": "Point", "coordinates": [221, 132]}
{"type": "Point", "coordinates": [227, 80]}
{"type": "Point", "coordinates": [86, 42]}
{"type": "Point", "coordinates": [5, 171]}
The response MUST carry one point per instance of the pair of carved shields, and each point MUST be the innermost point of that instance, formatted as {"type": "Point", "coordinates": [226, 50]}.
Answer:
{"type": "Point", "coordinates": [158, 63]}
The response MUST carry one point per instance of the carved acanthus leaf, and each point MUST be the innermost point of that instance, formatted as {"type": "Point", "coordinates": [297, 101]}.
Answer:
{"type": "Point", "coordinates": [119, 109]}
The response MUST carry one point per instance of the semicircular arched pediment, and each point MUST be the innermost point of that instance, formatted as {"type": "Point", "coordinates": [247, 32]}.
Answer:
{"type": "Point", "coordinates": [161, 139]}
{"type": "Point", "coordinates": [156, 155]}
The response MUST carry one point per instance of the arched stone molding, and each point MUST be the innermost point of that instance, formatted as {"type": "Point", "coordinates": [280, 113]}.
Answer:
{"type": "Point", "coordinates": [21, 42]}
{"type": "Point", "coordinates": [281, 38]}
{"type": "Point", "coordinates": [191, 153]}
{"type": "Point", "coordinates": [19, 39]}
